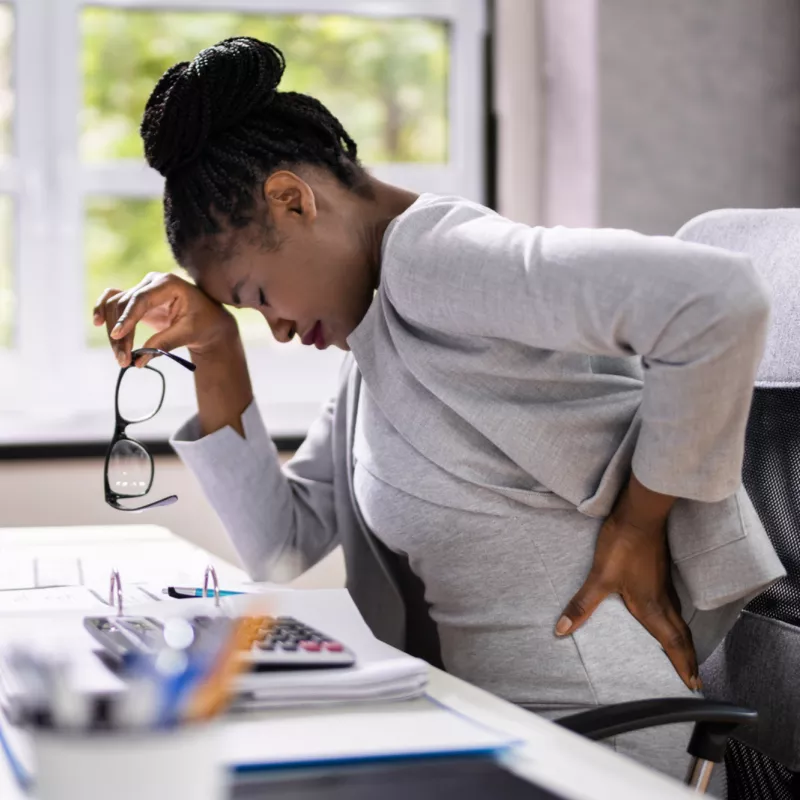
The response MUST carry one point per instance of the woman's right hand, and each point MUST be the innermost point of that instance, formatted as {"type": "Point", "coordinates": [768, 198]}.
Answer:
{"type": "Point", "coordinates": [182, 315]}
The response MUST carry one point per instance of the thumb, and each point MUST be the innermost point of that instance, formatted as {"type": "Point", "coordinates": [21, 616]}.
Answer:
{"type": "Point", "coordinates": [582, 606]}
{"type": "Point", "coordinates": [177, 335]}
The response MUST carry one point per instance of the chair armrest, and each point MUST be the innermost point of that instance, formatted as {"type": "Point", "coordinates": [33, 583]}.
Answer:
{"type": "Point", "coordinates": [715, 721]}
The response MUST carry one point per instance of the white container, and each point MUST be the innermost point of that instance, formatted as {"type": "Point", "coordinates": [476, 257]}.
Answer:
{"type": "Point", "coordinates": [116, 765]}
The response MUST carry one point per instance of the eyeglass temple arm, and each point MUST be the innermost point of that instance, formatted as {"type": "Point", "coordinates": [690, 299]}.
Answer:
{"type": "Point", "coordinates": [155, 351]}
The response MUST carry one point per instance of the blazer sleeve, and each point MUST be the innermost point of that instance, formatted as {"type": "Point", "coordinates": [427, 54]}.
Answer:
{"type": "Point", "coordinates": [696, 315]}
{"type": "Point", "coordinates": [277, 518]}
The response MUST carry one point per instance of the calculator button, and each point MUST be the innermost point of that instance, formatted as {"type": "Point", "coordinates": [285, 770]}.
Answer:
{"type": "Point", "coordinates": [311, 647]}
{"type": "Point", "coordinates": [333, 647]}
{"type": "Point", "coordinates": [266, 645]}
{"type": "Point", "coordinates": [290, 646]}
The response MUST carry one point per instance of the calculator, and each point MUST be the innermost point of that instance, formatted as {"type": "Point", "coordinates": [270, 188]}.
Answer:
{"type": "Point", "coordinates": [274, 642]}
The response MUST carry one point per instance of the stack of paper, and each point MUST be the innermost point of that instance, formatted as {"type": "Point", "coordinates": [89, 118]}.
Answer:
{"type": "Point", "coordinates": [381, 673]}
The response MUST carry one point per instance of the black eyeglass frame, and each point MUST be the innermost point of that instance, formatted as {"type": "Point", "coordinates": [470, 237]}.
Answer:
{"type": "Point", "coordinates": [120, 435]}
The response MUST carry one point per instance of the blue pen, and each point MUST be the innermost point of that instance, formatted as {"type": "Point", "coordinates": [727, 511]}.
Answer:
{"type": "Point", "coordinates": [185, 592]}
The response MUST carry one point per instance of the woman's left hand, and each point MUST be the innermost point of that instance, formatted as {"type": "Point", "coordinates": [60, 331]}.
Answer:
{"type": "Point", "coordinates": [632, 560]}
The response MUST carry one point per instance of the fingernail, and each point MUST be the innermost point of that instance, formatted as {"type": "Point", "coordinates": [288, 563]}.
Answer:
{"type": "Point", "coordinates": [121, 359]}
{"type": "Point", "coordinates": [563, 626]}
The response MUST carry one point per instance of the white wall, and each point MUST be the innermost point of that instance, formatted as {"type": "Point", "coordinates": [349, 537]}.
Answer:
{"type": "Point", "coordinates": [70, 492]}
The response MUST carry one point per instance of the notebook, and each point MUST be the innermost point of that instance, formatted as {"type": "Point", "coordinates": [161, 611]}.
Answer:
{"type": "Point", "coordinates": [465, 779]}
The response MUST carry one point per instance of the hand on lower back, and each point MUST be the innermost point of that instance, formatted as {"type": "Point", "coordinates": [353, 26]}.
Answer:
{"type": "Point", "coordinates": [632, 560]}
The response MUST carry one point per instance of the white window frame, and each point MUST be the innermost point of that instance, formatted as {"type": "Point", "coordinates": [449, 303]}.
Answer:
{"type": "Point", "coordinates": [53, 387]}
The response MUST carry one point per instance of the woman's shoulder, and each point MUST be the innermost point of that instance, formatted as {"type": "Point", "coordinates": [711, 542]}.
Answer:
{"type": "Point", "coordinates": [439, 236]}
{"type": "Point", "coordinates": [429, 219]}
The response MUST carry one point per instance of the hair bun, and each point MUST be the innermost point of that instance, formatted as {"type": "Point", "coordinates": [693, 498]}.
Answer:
{"type": "Point", "coordinates": [194, 101]}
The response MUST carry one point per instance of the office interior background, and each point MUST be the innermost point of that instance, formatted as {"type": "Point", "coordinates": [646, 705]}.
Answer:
{"type": "Point", "coordinates": [621, 113]}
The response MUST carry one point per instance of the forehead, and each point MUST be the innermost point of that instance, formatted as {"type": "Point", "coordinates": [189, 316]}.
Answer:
{"type": "Point", "coordinates": [217, 263]}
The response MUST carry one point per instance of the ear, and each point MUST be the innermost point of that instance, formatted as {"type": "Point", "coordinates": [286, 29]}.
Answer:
{"type": "Point", "coordinates": [289, 198]}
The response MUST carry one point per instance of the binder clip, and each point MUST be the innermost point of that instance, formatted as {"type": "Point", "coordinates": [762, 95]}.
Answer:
{"type": "Point", "coordinates": [213, 573]}
{"type": "Point", "coordinates": [115, 589]}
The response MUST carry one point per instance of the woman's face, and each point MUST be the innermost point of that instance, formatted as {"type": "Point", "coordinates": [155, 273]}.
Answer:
{"type": "Point", "coordinates": [309, 262]}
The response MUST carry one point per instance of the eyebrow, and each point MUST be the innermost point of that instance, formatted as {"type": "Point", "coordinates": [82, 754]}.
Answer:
{"type": "Point", "coordinates": [235, 293]}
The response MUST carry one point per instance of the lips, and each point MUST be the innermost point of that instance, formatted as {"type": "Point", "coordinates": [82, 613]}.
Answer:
{"type": "Point", "coordinates": [315, 337]}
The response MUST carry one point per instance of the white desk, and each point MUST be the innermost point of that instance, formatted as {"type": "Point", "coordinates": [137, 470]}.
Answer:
{"type": "Point", "coordinates": [550, 756]}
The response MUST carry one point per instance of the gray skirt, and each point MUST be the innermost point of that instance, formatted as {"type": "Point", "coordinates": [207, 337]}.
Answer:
{"type": "Point", "coordinates": [497, 580]}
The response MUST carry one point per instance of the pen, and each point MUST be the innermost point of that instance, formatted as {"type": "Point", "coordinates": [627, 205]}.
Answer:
{"type": "Point", "coordinates": [185, 592]}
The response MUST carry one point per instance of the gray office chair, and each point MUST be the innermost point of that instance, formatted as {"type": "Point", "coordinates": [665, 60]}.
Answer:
{"type": "Point", "coordinates": [758, 664]}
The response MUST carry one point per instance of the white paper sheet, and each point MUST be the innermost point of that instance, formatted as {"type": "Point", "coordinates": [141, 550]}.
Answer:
{"type": "Point", "coordinates": [53, 600]}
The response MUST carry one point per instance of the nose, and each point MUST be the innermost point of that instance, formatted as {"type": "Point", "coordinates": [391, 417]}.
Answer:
{"type": "Point", "coordinates": [282, 329]}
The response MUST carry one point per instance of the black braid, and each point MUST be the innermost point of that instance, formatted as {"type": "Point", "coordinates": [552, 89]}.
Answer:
{"type": "Point", "coordinates": [217, 126]}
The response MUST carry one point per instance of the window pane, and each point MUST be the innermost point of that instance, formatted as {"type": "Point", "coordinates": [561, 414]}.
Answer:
{"type": "Point", "coordinates": [6, 85]}
{"type": "Point", "coordinates": [124, 241]}
{"type": "Point", "coordinates": [386, 79]}
{"type": "Point", "coordinates": [7, 303]}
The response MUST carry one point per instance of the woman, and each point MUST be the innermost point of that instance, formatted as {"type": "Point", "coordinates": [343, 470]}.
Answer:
{"type": "Point", "coordinates": [492, 441]}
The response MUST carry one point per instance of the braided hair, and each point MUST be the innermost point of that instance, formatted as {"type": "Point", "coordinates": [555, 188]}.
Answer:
{"type": "Point", "coordinates": [217, 127]}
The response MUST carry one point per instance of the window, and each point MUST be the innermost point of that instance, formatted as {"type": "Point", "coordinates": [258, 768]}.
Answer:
{"type": "Point", "coordinates": [80, 210]}
{"type": "Point", "coordinates": [7, 288]}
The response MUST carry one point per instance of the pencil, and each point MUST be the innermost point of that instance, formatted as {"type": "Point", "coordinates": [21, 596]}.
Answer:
{"type": "Point", "coordinates": [214, 694]}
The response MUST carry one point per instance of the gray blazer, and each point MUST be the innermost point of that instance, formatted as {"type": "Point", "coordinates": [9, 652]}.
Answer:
{"type": "Point", "coordinates": [440, 363]}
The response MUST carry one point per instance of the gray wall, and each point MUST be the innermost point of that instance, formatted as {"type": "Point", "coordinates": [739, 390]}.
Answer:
{"type": "Point", "coordinates": [699, 108]}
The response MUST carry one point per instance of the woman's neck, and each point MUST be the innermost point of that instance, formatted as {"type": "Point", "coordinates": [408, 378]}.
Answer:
{"type": "Point", "coordinates": [385, 203]}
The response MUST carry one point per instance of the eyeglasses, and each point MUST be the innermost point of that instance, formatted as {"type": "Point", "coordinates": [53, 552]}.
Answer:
{"type": "Point", "coordinates": [129, 468]}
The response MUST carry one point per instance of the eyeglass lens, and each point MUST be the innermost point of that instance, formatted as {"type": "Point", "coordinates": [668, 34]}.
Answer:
{"type": "Point", "coordinates": [140, 394]}
{"type": "Point", "coordinates": [130, 469]}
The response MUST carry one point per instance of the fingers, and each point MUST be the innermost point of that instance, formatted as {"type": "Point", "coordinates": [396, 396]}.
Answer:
{"type": "Point", "coordinates": [173, 306]}
{"type": "Point", "coordinates": [665, 624]}
{"type": "Point", "coordinates": [115, 306]}
{"type": "Point", "coordinates": [173, 337]}
{"type": "Point", "coordinates": [582, 605]}
{"type": "Point", "coordinates": [122, 311]}
{"type": "Point", "coordinates": [136, 304]}
{"type": "Point", "coordinates": [99, 310]}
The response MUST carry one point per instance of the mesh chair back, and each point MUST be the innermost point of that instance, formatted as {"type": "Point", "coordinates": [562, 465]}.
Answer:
{"type": "Point", "coordinates": [771, 476]}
